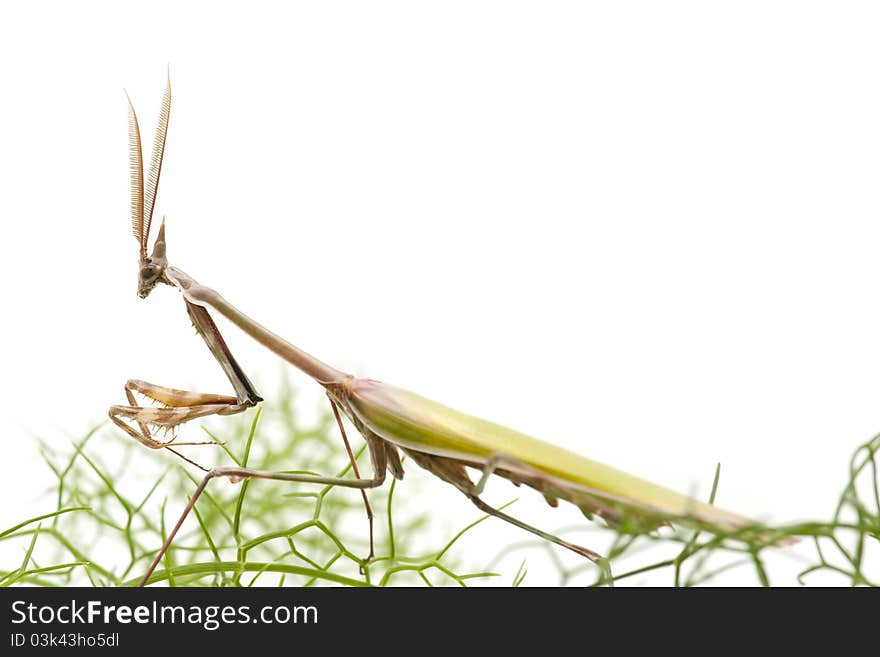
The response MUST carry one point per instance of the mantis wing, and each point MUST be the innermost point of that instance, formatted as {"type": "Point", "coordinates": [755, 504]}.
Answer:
{"type": "Point", "coordinates": [427, 427]}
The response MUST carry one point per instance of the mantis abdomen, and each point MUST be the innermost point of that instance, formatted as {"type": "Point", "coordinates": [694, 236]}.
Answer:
{"type": "Point", "coordinates": [416, 423]}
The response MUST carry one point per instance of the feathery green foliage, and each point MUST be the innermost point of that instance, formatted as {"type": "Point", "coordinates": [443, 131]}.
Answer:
{"type": "Point", "coordinates": [104, 530]}
{"type": "Point", "coordinates": [251, 533]}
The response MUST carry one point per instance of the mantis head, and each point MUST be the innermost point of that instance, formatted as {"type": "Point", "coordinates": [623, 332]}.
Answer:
{"type": "Point", "coordinates": [151, 268]}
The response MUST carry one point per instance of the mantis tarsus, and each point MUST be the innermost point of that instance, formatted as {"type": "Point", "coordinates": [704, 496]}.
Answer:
{"type": "Point", "coordinates": [443, 441]}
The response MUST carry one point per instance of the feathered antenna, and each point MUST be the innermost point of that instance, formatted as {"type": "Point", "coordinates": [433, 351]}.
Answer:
{"type": "Point", "coordinates": [156, 160]}
{"type": "Point", "coordinates": [136, 169]}
{"type": "Point", "coordinates": [143, 199]}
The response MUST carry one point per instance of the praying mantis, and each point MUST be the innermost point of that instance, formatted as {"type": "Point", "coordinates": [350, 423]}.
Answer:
{"type": "Point", "coordinates": [391, 421]}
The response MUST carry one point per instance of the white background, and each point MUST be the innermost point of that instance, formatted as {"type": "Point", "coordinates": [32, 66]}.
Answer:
{"type": "Point", "coordinates": [645, 231]}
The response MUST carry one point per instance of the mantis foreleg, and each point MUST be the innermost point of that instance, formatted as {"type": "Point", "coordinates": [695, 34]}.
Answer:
{"type": "Point", "coordinates": [179, 406]}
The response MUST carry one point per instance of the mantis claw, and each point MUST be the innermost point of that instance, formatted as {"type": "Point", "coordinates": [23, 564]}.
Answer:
{"type": "Point", "coordinates": [176, 407]}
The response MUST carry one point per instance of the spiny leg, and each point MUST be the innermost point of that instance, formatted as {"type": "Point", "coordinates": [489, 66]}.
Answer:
{"type": "Point", "coordinates": [453, 471]}
{"type": "Point", "coordinates": [235, 474]}
{"type": "Point", "coordinates": [146, 439]}
{"type": "Point", "coordinates": [354, 467]}
{"type": "Point", "coordinates": [179, 406]}
{"type": "Point", "coordinates": [480, 504]}
{"type": "Point", "coordinates": [496, 461]}
{"type": "Point", "coordinates": [129, 385]}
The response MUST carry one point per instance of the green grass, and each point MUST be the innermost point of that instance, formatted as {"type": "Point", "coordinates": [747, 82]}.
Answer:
{"type": "Point", "coordinates": [107, 525]}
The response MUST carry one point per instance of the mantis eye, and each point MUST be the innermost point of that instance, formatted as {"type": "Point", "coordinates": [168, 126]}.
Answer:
{"type": "Point", "coordinates": [147, 272]}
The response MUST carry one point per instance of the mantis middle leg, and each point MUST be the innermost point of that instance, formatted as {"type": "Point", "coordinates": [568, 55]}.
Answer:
{"type": "Point", "coordinates": [236, 474]}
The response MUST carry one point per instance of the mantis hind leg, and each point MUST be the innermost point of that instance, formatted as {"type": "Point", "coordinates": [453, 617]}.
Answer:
{"type": "Point", "coordinates": [454, 471]}
{"type": "Point", "coordinates": [584, 552]}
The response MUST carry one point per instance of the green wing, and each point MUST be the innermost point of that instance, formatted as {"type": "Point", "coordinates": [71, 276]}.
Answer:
{"type": "Point", "coordinates": [414, 422]}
